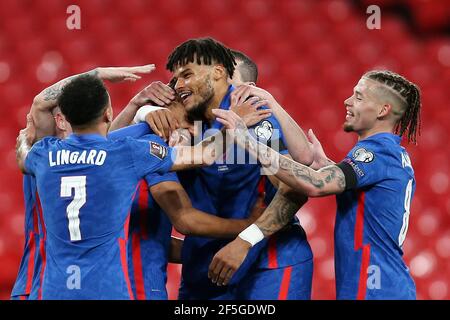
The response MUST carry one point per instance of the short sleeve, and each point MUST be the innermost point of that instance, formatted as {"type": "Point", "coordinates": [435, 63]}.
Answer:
{"type": "Point", "coordinates": [150, 154]}
{"type": "Point", "coordinates": [155, 178]}
{"type": "Point", "coordinates": [369, 161]}
{"type": "Point", "coordinates": [135, 131]}
{"type": "Point", "coordinates": [268, 131]}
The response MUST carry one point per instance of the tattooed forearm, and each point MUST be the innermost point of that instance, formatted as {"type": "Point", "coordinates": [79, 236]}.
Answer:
{"type": "Point", "coordinates": [304, 173]}
{"type": "Point", "coordinates": [327, 180]}
{"type": "Point", "coordinates": [53, 92]}
{"type": "Point", "coordinates": [278, 214]}
{"type": "Point", "coordinates": [334, 174]}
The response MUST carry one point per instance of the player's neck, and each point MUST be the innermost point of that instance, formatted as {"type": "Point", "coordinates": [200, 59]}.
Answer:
{"type": "Point", "coordinates": [383, 128]}
{"type": "Point", "coordinates": [100, 129]}
{"type": "Point", "coordinates": [220, 92]}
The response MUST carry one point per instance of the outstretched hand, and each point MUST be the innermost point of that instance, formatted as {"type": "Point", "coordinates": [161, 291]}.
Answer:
{"type": "Point", "coordinates": [118, 74]}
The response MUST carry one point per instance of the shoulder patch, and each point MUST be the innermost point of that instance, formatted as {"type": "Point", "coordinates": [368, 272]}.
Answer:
{"type": "Point", "coordinates": [363, 155]}
{"type": "Point", "coordinates": [158, 150]}
{"type": "Point", "coordinates": [264, 130]}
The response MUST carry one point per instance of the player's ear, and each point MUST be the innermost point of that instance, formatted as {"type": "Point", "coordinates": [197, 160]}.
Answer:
{"type": "Point", "coordinates": [108, 114]}
{"type": "Point", "coordinates": [60, 122]}
{"type": "Point", "coordinates": [385, 109]}
{"type": "Point", "coordinates": [219, 72]}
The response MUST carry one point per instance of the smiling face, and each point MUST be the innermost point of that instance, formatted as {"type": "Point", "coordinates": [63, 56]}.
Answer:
{"type": "Point", "coordinates": [363, 108]}
{"type": "Point", "coordinates": [194, 86]}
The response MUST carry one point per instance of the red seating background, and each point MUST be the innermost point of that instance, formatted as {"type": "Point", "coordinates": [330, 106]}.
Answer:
{"type": "Point", "coordinates": [310, 55]}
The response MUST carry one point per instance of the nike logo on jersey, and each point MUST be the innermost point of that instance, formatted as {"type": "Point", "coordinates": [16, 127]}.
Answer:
{"type": "Point", "coordinates": [64, 157]}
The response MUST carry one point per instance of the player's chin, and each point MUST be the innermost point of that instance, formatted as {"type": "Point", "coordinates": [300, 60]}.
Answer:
{"type": "Point", "coordinates": [348, 127]}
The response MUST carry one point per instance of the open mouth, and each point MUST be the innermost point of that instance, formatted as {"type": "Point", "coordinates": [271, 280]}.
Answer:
{"type": "Point", "coordinates": [184, 95]}
{"type": "Point", "coordinates": [349, 115]}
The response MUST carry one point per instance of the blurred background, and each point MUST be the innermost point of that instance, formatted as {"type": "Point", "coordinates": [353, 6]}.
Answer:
{"type": "Point", "coordinates": [310, 55]}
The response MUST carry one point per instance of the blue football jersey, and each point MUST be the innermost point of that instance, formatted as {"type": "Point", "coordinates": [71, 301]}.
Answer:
{"type": "Point", "coordinates": [29, 268]}
{"type": "Point", "coordinates": [150, 229]}
{"type": "Point", "coordinates": [150, 234]}
{"type": "Point", "coordinates": [229, 191]}
{"type": "Point", "coordinates": [87, 185]}
{"type": "Point", "coordinates": [372, 221]}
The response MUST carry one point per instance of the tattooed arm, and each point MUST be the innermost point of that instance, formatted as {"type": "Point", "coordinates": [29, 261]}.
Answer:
{"type": "Point", "coordinates": [325, 181]}
{"type": "Point", "coordinates": [280, 211]}
{"type": "Point", "coordinates": [283, 207]}
{"type": "Point", "coordinates": [297, 143]}
{"type": "Point", "coordinates": [44, 102]}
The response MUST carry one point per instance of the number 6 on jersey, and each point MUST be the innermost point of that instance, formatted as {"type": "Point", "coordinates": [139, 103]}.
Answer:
{"type": "Point", "coordinates": [78, 183]}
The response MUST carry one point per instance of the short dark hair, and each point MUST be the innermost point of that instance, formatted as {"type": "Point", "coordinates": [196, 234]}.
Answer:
{"type": "Point", "coordinates": [410, 93]}
{"type": "Point", "coordinates": [205, 50]}
{"type": "Point", "coordinates": [248, 68]}
{"type": "Point", "coordinates": [83, 100]}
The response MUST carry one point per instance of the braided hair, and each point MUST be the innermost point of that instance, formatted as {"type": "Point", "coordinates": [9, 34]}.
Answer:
{"type": "Point", "coordinates": [410, 95]}
{"type": "Point", "coordinates": [205, 51]}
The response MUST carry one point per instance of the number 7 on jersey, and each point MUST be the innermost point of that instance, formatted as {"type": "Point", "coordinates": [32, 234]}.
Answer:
{"type": "Point", "coordinates": [78, 184]}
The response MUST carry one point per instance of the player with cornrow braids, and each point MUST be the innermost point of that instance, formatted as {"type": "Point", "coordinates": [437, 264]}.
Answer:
{"type": "Point", "coordinates": [409, 94]}
{"type": "Point", "coordinates": [374, 186]}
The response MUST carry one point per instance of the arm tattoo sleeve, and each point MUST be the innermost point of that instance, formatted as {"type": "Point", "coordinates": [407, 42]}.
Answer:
{"type": "Point", "coordinates": [53, 92]}
{"type": "Point", "coordinates": [277, 215]}
{"type": "Point", "coordinates": [329, 179]}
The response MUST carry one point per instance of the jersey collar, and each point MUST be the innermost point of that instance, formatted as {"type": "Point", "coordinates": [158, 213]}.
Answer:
{"type": "Point", "coordinates": [225, 105]}
{"type": "Point", "coordinates": [86, 137]}
{"type": "Point", "coordinates": [387, 135]}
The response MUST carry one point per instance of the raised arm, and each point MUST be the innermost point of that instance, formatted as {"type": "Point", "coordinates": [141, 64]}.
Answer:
{"type": "Point", "coordinates": [173, 199]}
{"type": "Point", "coordinates": [325, 181]}
{"type": "Point", "coordinates": [157, 93]}
{"type": "Point", "coordinates": [44, 102]}
{"type": "Point", "coordinates": [296, 140]}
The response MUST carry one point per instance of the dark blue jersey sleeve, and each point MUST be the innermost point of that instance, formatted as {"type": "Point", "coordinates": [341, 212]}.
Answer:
{"type": "Point", "coordinates": [134, 131]}
{"type": "Point", "coordinates": [150, 155]}
{"type": "Point", "coordinates": [155, 178]}
{"type": "Point", "coordinates": [369, 160]}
